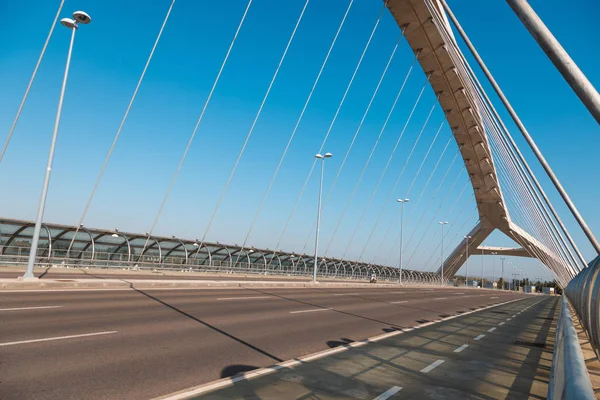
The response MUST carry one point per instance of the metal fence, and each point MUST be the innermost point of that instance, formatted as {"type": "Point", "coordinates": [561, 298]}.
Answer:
{"type": "Point", "coordinates": [569, 379]}
{"type": "Point", "coordinates": [17, 256]}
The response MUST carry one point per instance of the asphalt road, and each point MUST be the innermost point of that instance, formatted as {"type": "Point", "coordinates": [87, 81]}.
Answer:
{"type": "Point", "coordinates": [149, 343]}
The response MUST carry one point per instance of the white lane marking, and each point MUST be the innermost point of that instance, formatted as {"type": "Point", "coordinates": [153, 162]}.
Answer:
{"type": "Point", "coordinates": [57, 338]}
{"type": "Point", "coordinates": [491, 329]}
{"type": "Point", "coordinates": [457, 293]}
{"type": "Point", "coordinates": [494, 297]}
{"type": "Point", "coordinates": [432, 366]}
{"type": "Point", "coordinates": [501, 323]}
{"type": "Point", "coordinates": [479, 337]}
{"type": "Point", "coordinates": [397, 292]}
{"type": "Point", "coordinates": [346, 294]}
{"type": "Point", "coordinates": [399, 302]}
{"type": "Point", "coordinates": [388, 393]}
{"type": "Point", "coordinates": [244, 298]}
{"type": "Point", "coordinates": [311, 310]}
{"type": "Point", "coordinates": [441, 298]}
{"type": "Point", "coordinates": [461, 348]}
{"type": "Point", "coordinates": [514, 315]}
{"type": "Point", "coordinates": [28, 308]}
{"type": "Point", "coordinates": [227, 382]}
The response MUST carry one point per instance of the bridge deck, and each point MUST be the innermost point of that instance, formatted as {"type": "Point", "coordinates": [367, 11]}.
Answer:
{"type": "Point", "coordinates": [511, 361]}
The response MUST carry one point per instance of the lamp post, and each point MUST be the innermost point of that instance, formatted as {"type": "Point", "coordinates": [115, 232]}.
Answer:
{"type": "Point", "coordinates": [79, 17]}
{"type": "Point", "coordinates": [442, 223]}
{"type": "Point", "coordinates": [402, 202]}
{"type": "Point", "coordinates": [494, 268]}
{"type": "Point", "coordinates": [467, 261]}
{"type": "Point", "coordinates": [322, 158]}
{"type": "Point", "coordinates": [502, 258]}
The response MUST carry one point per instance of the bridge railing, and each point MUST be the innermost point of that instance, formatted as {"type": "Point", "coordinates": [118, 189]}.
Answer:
{"type": "Point", "coordinates": [59, 258]}
{"type": "Point", "coordinates": [584, 293]}
{"type": "Point", "coordinates": [569, 379]}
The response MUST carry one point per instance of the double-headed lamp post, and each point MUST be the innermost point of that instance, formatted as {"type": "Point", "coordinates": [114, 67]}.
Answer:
{"type": "Point", "coordinates": [467, 260]}
{"type": "Point", "coordinates": [402, 202]}
{"type": "Point", "coordinates": [494, 269]}
{"type": "Point", "coordinates": [79, 17]}
{"type": "Point", "coordinates": [442, 223]}
{"type": "Point", "coordinates": [316, 266]}
{"type": "Point", "coordinates": [503, 258]}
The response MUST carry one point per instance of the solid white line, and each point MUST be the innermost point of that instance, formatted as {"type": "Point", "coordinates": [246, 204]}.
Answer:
{"type": "Point", "coordinates": [399, 302]}
{"type": "Point", "coordinates": [491, 329]}
{"type": "Point", "coordinates": [501, 323]}
{"type": "Point", "coordinates": [441, 298]}
{"type": "Point", "coordinates": [346, 294]}
{"type": "Point", "coordinates": [28, 308]}
{"type": "Point", "coordinates": [461, 348]}
{"type": "Point", "coordinates": [494, 297]}
{"type": "Point", "coordinates": [479, 337]}
{"type": "Point", "coordinates": [244, 298]}
{"type": "Point", "coordinates": [311, 310]}
{"type": "Point", "coordinates": [397, 292]}
{"type": "Point", "coordinates": [388, 393]}
{"type": "Point", "coordinates": [56, 338]}
{"type": "Point", "coordinates": [432, 366]}
{"type": "Point", "coordinates": [457, 293]}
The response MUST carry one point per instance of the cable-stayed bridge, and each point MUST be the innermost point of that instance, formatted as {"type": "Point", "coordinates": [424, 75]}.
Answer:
{"type": "Point", "coordinates": [412, 127]}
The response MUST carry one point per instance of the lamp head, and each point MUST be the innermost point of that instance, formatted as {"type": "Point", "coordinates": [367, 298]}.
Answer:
{"type": "Point", "coordinates": [81, 17]}
{"type": "Point", "coordinates": [319, 155]}
{"type": "Point", "coordinates": [328, 155]}
{"type": "Point", "coordinates": [69, 23]}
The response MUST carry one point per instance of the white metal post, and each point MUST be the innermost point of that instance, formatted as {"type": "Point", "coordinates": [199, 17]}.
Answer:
{"type": "Point", "coordinates": [316, 263]}
{"type": "Point", "coordinates": [42, 205]}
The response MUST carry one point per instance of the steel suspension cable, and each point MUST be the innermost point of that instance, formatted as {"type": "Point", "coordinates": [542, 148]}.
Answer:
{"type": "Point", "coordinates": [198, 122]}
{"type": "Point", "coordinates": [409, 189]}
{"type": "Point", "coordinates": [435, 214]}
{"type": "Point", "coordinates": [293, 134]}
{"type": "Point", "coordinates": [512, 142]}
{"type": "Point", "coordinates": [264, 100]}
{"type": "Point", "coordinates": [424, 188]}
{"type": "Point", "coordinates": [33, 75]}
{"type": "Point", "coordinates": [287, 223]}
{"type": "Point", "coordinates": [461, 64]}
{"type": "Point", "coordinates": [358, 129]}
{"type": "Point", "coordinates": [401, 172]}
{"type": "Point", "coordinates": [116, 137]}
{"type": "Point", "coordinates": [410, 214]}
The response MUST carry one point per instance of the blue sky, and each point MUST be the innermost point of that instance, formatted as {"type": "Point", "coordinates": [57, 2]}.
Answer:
{"type": "Point", "coordinates": [109, 56]}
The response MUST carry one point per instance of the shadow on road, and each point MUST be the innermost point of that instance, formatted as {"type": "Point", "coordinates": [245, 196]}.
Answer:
{"type": "Point", "coordinates": [206, 324]}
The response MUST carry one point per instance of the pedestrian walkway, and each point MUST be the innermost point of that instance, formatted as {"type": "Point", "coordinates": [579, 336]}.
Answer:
{"type": "Point", "coordinates": [501, 352]}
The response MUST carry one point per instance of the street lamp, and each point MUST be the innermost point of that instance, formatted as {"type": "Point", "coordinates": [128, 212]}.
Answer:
{"type": "Point", "coordinates": [502, 258]}
{"type": "Point", "coordinates": [467, 260]}
{"type": "Point", "coordinates": [322, 158]}
{"type": "Point", "coordinates": [402, 202]}
{"type": "Point", "coordinates": [494, 268]}
{"type": "Point", "coordinates": [79, 17]}
{"type": "Point", "coordinates": [442, 223]}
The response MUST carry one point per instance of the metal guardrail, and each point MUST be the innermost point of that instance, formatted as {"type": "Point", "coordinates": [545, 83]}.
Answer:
{"type": "Point", "coordinates": [569, 379]}
{"type": "Point", "coordinates": [17, 257]}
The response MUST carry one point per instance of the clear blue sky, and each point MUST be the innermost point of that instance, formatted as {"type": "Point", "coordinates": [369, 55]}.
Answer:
{"type": "Point", "coordinates": [109, 56]}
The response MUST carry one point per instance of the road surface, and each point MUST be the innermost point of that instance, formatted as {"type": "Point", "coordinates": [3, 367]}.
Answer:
{"type": "Point", "coordinates": [100, 344]}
